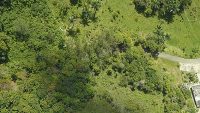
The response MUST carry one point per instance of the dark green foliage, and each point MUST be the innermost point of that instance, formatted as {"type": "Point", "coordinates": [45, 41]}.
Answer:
{"type": "Point", "coordinates": [154, 43]}
{"type": "Point", "coordinates": [64, 11]}
{"type": "Point", "coordinates": [5, 3]}
{"type": "Point", "coordinates": [41, 10]}
{"type": "Point", "coordinates": [72, 31]}
{"type": "Point", "coordinates": [165, 9]}
{"type": "Point", "coordinates": [21, 31]}
{"type": "Point", "coordinates": [75, 2]}
{"type": "Point", "coordinates": [3, 56]}
{"type": "Point", "coordinates": [141, 75]}
{"type": "Point", "coordinates": [190, 77]}
{"type": "Point", "coordinates": [45, 69]}
{"type": "Point", "coordinates": [89, 10]}
{"type": "Point", "coordinates": [77, 9]}
{"type": "Point", "coordinates": [76, 87]}
{"type": "Point", "coordinates": [47, 79]}
{"type": "Point", "coordinates": [175, 98]}
{"type": "Point", "coordinates": [125, 60]}
{"type": "Point", "coordinates": [4, 49]}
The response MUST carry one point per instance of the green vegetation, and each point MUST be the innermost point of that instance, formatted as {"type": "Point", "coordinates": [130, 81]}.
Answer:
{"type": "Point", "coordinates": [184, 30]}
{"type": "Point", "coordinates": [190, 77]}
{"type": "Point", "coordinates": [86, 56]}
{"type": "Point", "coordinates": [154, 43]}
{"type": "Point", "coordinates": [165, 9]}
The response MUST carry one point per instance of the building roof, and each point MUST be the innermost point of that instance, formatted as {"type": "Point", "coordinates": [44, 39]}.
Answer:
{"type": "Point", "coordinates": [196, 94]}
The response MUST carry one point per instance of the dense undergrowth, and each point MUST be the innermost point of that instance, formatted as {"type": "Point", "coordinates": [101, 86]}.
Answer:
{"type": "Point", "coordinates": [58, 56]}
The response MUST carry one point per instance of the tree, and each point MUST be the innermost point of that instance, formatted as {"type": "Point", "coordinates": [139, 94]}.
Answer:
{"type": "Point", "coordinates": [75, 2]}
{"type": "Point", "coordinates": [155, 43]}
{"type": "Point", "coordinates": [164, 9]}
{"type": "Point", "coordinates": [4, 48]}
{"type": "Point", "coordinates": [90, 8]}
{"type": "Point", "coordinates": [5, 3]}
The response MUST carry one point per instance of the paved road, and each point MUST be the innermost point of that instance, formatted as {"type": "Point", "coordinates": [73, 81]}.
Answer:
{"type": "Point", "coordinates": [178, 59]}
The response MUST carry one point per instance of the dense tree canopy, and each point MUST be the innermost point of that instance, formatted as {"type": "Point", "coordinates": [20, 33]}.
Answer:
{"type": "Point", "coordinates": [165, 9]}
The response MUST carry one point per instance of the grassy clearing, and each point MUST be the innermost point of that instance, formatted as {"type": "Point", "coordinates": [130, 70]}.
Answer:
{"type": "Point", "coordinates": [98, 106]}
{"type": "Point", "coordinates": [184, 30]}
{"type": "Point", "coordinates": [123, 99]}
{"type": "Point", "coordinates": [171, 70]}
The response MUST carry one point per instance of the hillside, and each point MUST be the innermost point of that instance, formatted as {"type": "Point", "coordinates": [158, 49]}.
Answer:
{"type": "Point", "coordinates": [96, 56]}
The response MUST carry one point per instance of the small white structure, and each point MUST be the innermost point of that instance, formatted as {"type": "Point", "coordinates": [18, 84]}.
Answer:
{"type": "Point", "coordinates": [196, 94]}
{"type": "Point", "coordinates": [190, 67]}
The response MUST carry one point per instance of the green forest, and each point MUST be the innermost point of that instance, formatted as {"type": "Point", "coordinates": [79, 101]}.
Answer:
{"type": "Point", "coordinates": [95, 56]}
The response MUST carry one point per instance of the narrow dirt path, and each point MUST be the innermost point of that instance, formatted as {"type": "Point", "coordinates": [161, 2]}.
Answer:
{"type": "Point", "coordinates": [186, 65]}
{"type": "Point", "coordinates": [178, 59]}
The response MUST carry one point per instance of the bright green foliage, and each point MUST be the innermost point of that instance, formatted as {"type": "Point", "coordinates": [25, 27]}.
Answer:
{"type": "Point", "coordinates": [57, 56]}
{"type": "Point", "coordinates": [175, 99]}
{"type": "Point", "coordinates": [39, 69]}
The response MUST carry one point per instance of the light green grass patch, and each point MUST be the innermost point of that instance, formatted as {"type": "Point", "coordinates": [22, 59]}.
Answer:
{"type": "Point", "coordinates": [125, 100]}
{"type": "Point", "coordinates": [184, 30]}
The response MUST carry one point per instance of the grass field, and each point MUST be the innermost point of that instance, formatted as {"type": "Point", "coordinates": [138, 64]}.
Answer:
{"type": "Point", "coordinates": [114, 99]}
{"type": "Point", "coordinates": [184, 30]}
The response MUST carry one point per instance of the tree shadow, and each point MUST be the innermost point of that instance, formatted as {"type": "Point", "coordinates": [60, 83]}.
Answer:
{"type": "Point", "coordinates": [5, 3]}
{"type": "Point", "coordinates": [168, 15]}
{"type": "Point", "coordinates": [76, 87]}
{"type": "Point", "coordinates": [72, 86]}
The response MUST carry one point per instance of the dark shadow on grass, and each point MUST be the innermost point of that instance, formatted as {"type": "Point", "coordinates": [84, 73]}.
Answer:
{"type": "Point", "coordinates": [167, 15]}
{"type": "Point", "coordinates": [77, 88]}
